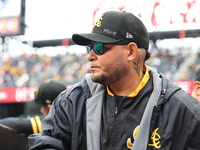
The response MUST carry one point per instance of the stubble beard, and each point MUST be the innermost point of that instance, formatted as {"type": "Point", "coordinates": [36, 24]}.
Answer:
{"type": "Point", "coordinates": [111, 76]}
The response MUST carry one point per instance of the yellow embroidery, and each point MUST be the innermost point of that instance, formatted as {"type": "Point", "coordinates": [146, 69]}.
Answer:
{"type": "Point", "coordinates": [34, 126]}
{"type": "Point", "coordinates": [98, 22]}
{"type": "Point", "coordinates": [135, 132]}
{"type": "Point", "coordinates": [39, 123]}
{"type": "Point", "coordinates": [155, 137]}
{"type": "Point", "coordinates": [129, 144]}
{"type": "Point", "coordinates": [36, 92]}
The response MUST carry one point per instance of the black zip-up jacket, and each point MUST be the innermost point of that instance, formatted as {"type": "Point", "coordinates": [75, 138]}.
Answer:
{"type": "Point", "coordinates": [171, 120]}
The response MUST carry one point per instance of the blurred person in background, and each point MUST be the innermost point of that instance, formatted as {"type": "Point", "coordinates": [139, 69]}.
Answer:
{"type": "Point", "coordinates": [196, 90]}
{"type": "Point", "coordinates": [123, 104]}
{"type": "Point", "coordinates": [44, 97]}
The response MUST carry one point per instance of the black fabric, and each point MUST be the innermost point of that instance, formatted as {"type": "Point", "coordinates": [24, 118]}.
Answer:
{"type": "Point", "coordinates": [72, 103]}
{"type": "Point", "coordinates": [178, 124]}
{"type": "Point", "coordinates": [121, 115]}
{"type": "Point", "coordinates": [21, 125]}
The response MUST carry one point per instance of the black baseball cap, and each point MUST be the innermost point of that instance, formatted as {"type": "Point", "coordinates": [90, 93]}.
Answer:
{"type": "Point", "coordinates": [197, 77]}
{"type": "Point", "coordinates": [115, 26]}
{"type": "Point", "coordinates": [48, 91]}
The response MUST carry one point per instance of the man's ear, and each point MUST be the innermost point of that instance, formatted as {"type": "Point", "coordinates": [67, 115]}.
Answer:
{"type": "Point", "coordinates": [132, 51]}
{"type": "Point", "coordinates": [197, 87]}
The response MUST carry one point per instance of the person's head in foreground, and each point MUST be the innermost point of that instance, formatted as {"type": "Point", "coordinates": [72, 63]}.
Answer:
{"type": "Point", "coordinates": [196, 88]}
{"type": "Point", "coordinates": [46, 93]}
{"type": "Point", "coordinates": [117, 48]}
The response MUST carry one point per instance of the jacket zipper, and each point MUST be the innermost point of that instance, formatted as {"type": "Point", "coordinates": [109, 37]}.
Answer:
{"type": "Point", "coordinates": [116, 111]}
{"type": "Point", "coordinates": [118, 106]}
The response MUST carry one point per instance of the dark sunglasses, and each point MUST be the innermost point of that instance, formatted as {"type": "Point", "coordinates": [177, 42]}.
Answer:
{"type": "Point", "coordinates": [98, 48]}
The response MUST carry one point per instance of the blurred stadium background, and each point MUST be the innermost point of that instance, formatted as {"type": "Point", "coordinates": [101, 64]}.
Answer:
{"type": "Point", "coordinates": [36, 45]}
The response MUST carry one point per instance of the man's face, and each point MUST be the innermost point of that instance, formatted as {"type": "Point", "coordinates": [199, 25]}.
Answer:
{"type": "Point", "coordinates": [109, 67]}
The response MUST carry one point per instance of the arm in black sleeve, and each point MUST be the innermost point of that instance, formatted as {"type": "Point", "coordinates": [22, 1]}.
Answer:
{"type": "Point", "coordinates": [21, 125]}
{"type": "Point", "coordinates": [55, 134]}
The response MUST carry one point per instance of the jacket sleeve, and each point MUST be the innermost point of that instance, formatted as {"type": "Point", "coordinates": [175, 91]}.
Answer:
{"type": "Point", "coordinates": [21, 125]}
{"type": "Point", "coordinates": [195, 141]}
{"type": "Point", "coordinates": [56, 128]}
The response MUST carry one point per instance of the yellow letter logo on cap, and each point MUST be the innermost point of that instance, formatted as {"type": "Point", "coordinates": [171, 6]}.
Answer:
{"type": "Point", "coordinates": [36, 93]}
{"type": "Point", "coordinates": [98, 22]}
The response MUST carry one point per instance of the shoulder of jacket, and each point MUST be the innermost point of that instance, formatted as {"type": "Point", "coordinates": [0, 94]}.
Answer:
{"type": "Point", "coordinates": [190, 102]}
{"type": "Point", "coordinates": [76, 91]}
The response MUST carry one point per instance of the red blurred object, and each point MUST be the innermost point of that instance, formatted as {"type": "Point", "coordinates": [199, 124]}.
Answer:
{"type": "Point", "coordinates": [13, 95]}
{"type": "Point", "coordinates": [182, 34]}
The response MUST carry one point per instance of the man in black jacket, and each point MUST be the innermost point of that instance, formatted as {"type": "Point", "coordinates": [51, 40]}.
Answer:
{"type": "Point", "coordinates": [123, 104]}
{"type": "Point", "coordinates": [44, 96]}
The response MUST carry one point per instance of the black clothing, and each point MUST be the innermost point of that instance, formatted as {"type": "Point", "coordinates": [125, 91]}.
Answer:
{"type": "Point", "coordinates": [23, 125]}
{"type": "Point", "coordinates": [74, 121]}
{"type": "Point", "coordinates": [115, 108]}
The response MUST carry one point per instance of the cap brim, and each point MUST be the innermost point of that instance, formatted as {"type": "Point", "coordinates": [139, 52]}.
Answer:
{"type": "Point", "coordinates": [32, 104]}
{"type": "Point", "coordinates": [85, 38]}
{"type": "Point", "coordinates": [40, 102]}
{"type": "Point", "coordinates": [32, 108]}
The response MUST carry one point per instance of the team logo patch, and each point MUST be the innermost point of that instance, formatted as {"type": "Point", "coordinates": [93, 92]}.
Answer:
{"type": "Point", "coordinates": [155, 137]}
